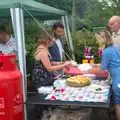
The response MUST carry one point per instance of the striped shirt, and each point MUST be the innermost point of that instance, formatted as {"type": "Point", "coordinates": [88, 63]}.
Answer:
{"type": "Point", "coordinates": [116, 39]}
{"type": "Point", "coordinates": [9, 47]}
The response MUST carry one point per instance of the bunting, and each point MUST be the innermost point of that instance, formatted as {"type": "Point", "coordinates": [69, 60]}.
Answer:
{"type": "Point", "coordinates": [87, 51]}
{"type": "Point", "coordinates": [100, 52]}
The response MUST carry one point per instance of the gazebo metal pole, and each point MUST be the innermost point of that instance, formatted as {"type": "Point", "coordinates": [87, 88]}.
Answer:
{"type": "Point", "coordinates": [18, 26]}
{"type": "Point", "coordinates": [68, 34]}
{"type": "Point", "coordinates": [65, 30]}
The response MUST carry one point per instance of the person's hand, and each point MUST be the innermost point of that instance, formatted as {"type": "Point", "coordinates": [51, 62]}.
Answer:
{"type": "Point", "coordinates": [67, 63]}
{"type": "Point", "coordinates": [73, 63]}
{"type": "Point", "coordinates": [97, 65]}
{"type": "Point", "coordinates": [68, 67]}
{"type": "Point", "coordinates": [91, 71]}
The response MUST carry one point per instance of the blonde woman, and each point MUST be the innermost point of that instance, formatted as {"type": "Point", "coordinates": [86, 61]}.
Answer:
{"type": "Point", "coordinates": [43, 68]}
{"type": "Point", "coordinates": [111, 62]}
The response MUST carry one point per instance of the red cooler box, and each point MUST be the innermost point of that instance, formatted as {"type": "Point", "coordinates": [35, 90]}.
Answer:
{"type": "Point", "coordinates": [11, 94]}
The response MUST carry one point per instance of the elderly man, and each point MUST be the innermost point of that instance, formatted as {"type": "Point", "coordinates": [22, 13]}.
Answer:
{"type": "Point", "coordinates": [7, 42]}
{"type": "Point", "coordinates": [114, 25]}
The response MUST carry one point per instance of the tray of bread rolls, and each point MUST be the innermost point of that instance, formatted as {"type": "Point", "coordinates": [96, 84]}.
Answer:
{"type": "Point", "coordinates": [78, 81]}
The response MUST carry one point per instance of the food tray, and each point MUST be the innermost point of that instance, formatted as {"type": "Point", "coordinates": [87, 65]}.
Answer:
{"type": "Point", "coordinates": [74, 84]}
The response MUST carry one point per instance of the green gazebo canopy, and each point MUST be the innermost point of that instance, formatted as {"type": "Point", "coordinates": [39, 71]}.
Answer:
{"type": "Point", "coordinates": [35, 8]}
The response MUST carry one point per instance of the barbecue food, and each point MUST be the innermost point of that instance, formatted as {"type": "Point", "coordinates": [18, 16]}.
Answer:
{"type": "Point", "coordinates": [78, 81]}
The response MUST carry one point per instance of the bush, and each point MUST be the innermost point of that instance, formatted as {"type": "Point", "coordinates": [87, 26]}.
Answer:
{"type": "Point", "coordinates": [80, 39]}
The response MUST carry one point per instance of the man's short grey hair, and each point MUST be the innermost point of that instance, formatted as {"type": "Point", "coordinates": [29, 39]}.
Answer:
{"type": "Point", "coordinates": [115, 18]}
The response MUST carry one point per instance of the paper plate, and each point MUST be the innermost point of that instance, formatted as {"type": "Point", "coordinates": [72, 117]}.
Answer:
{"type": "Point", "coordinates": [84, 67]}
{"type": "Point", "coordinates": [97, 88]}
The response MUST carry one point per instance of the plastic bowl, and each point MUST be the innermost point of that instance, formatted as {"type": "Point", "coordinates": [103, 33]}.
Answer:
{"type": "Point", "coordinates": [92, 76]}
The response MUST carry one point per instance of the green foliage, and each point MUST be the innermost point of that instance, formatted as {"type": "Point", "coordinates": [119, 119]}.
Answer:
{"type": "Point", "coordinates": [32, 33]}
{"type": "Point", "coordinates": [97, 13]}
{"type": "Point", "coordinates": [80, 39]}
{"type": "Point", "coordinates": [113, 6]}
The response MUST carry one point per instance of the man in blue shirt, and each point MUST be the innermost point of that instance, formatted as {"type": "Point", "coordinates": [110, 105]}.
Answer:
{"type": "Point", "coordinates": [57, 49]}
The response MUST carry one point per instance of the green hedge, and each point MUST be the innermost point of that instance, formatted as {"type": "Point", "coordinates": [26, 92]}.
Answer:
{"type": "Point", "coordinates": [80, 39]}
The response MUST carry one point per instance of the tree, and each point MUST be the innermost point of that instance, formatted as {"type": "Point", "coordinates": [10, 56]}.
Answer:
{"type": "Point", "coordinates": [96, 13]}
{"type": "Point", "coordinates": [112, 5]}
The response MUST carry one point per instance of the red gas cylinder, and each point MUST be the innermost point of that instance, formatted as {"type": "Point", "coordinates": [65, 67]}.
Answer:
{"type": "Point", "coordinates": [11, 93]}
